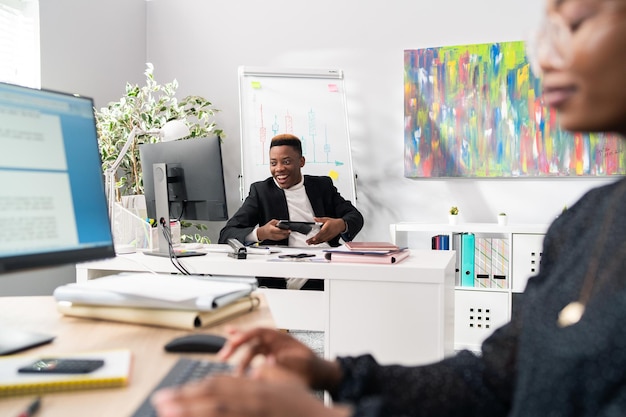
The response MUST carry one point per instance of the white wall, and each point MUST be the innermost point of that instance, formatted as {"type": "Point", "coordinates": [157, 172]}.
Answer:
{"type": "Point", "coordinates": [201, 43]}
{"type": "Point", "coordinates": [95, 47]}
{"type": "Point", "coordinates": [92, 48]}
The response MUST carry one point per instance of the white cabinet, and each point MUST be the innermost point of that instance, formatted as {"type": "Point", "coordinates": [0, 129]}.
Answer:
{"type": "Point", "coordinates": [482, 308]}
{"type": "Point", "coordinates": [477, 314]}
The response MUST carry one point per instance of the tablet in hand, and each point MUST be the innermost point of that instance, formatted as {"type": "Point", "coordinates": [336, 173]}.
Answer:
{"type": "Point", "coordinates": [301, 227]}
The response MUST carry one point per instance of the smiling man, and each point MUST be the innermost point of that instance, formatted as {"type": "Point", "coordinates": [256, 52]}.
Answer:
{"type": "Point", "coordinates": [289, 195]}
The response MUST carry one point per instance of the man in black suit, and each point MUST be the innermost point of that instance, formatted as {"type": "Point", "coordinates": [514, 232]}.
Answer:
{"type": "Point", "coordinates": [289, 195]}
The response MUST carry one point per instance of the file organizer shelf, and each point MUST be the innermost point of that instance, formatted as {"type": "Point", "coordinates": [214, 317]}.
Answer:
{"type": "Point", "coordinates": [504, 257]}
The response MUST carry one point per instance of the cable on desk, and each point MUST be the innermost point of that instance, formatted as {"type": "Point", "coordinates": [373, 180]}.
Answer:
{"type": "Point", "coordinates": [170, 246]}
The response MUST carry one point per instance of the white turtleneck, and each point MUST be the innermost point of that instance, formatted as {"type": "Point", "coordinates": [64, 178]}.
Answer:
{"type": "Point", "coordinates": [300, 210]}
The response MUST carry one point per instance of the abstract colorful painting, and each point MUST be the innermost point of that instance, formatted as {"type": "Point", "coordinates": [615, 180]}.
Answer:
{"type": "Point", "coordinates": [476, 111]}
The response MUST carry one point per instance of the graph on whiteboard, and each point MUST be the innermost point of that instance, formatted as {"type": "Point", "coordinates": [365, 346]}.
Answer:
{"type": "Point", "coordinates": [311, 108]}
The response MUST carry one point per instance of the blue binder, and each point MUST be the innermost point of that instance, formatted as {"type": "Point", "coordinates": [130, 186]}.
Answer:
{"type": "Point", "coordinates": [445, 242]}
{"type": "Point", "coordinates": [468, 245]}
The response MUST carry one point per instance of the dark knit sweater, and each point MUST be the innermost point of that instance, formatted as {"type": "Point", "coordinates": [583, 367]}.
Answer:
{"type": "Point", "coordinates": [529, 367]}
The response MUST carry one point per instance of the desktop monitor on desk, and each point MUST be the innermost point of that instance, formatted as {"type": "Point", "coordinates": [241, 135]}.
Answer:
{"type": "Point", "coordinates": [52, 199]}
{"type": "Point", "coordinates": [184, 179]}
{"type": "Point", "coordinates": [195, 178]}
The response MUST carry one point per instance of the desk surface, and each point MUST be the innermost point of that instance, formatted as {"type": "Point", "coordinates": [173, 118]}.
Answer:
{"type": "Point", "coordinates": [359, 309]}
{"type": "Point", "coordinates": [267, 265]}
{"type": "Point", "coordinates": [150, 361]}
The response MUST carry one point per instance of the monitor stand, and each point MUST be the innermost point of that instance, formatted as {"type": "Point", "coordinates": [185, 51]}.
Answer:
{"type": "Point", "coordinates": [14, 340]}
{"type": "Point", "coordinates": [161, 202]}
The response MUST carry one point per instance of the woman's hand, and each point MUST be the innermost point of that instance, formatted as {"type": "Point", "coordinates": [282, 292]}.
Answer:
{"type": "Point", "coordinates": [233, 396]}
{"type": "Point", "coordinates": [282, 350]}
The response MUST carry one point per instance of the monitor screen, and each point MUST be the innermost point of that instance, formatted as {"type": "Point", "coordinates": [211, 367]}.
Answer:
{"type": "Point", "coordinates": [52, 198]}
{"type": "Point", "coordinates": [195, 179]}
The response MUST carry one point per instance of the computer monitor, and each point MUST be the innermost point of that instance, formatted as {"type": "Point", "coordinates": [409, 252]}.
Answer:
{"type": "Point", "coordinates": [194, 186]}
{"type": "Point", "coordinates": [52, 199]}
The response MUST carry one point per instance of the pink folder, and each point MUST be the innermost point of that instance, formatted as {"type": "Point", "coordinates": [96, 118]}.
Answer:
{"type": "Point", "coordinates": [371, 246]}
{"type": "Point", "coordinates": [368, 258]}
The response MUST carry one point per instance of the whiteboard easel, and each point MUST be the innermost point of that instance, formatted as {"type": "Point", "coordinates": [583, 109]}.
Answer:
{"type": "Point", "coordinates": [310, 104]}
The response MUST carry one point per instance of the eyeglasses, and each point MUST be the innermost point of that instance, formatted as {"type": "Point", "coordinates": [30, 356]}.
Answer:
{"type": "Point", "coordinates": [550, 43]}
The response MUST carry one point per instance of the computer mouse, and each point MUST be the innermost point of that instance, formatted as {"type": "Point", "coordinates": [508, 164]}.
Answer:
{"type": "Point", "coordinates": [197, 343]}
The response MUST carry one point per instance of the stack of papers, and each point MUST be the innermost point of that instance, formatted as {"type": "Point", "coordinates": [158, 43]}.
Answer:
{"type": "Point", "coordinates": [178, 301]}
{"type": "Point", "coordinates": [181, 292]}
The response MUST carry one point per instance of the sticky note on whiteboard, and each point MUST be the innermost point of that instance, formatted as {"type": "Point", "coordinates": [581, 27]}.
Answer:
{"type": "Point", "coordinates": [333, 174]}
{"type": "Point", "coordinates": [333, 88]}
{"type": "Point", "coordinates": [256, 84]}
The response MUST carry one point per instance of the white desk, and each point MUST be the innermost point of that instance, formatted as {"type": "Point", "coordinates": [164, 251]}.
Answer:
{"type": "Point", "coordinates": [401, 313]}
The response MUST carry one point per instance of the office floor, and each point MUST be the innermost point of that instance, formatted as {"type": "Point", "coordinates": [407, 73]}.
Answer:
{"type": "Point", "coordinates": [314, 340]}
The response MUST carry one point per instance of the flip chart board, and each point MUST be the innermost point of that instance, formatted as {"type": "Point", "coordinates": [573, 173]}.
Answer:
{"type": "Point", "coordinates": [310, 104]}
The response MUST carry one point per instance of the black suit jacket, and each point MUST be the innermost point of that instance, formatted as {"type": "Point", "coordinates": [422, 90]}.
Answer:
{"type": "Point", "coordinates": [267, 201]}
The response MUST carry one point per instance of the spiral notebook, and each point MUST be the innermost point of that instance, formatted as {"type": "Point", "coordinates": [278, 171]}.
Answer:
{"type": "Point", "coordinates": [114, 373]}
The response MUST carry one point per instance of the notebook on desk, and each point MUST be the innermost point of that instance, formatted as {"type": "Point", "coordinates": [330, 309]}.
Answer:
{"type": "Point", "coordinates": [178, 319]}
{"type": "Point", "coordinates": [114, 373]}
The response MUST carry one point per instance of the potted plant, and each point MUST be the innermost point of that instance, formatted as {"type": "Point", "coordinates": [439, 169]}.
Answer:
{"type": "Point", "coordinates": [502, 219]}
{"type": "Point", "coordinates": [453, 217]}
{"type": "Point", "coordinates": [147, 107]}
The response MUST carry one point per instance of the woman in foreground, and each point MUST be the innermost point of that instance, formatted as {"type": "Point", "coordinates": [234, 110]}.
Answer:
{"type": "Point", "coordinates": [564, 351]}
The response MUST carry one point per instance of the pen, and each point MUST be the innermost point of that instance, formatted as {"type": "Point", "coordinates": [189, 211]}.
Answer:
{"type": "Point", "coordinates": [32, 408]}
{"type": "Point", "coordinates": [256, 245]}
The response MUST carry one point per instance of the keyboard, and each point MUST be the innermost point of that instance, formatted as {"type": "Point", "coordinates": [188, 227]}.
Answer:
{"type": "Point", "coordinates": [183, 371]}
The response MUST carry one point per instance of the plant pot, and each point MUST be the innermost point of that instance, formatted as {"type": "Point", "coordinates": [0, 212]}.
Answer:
{"type": "Point", "coordinates": [453, 219]}
{"type": "Point", "coordinates": [503, 220]}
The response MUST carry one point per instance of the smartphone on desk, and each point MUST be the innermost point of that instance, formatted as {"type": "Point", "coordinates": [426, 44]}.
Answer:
{"type": "Point", "coordinates": [297, 255]}
{"type": "Point", "coordinates": [62, 366]}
